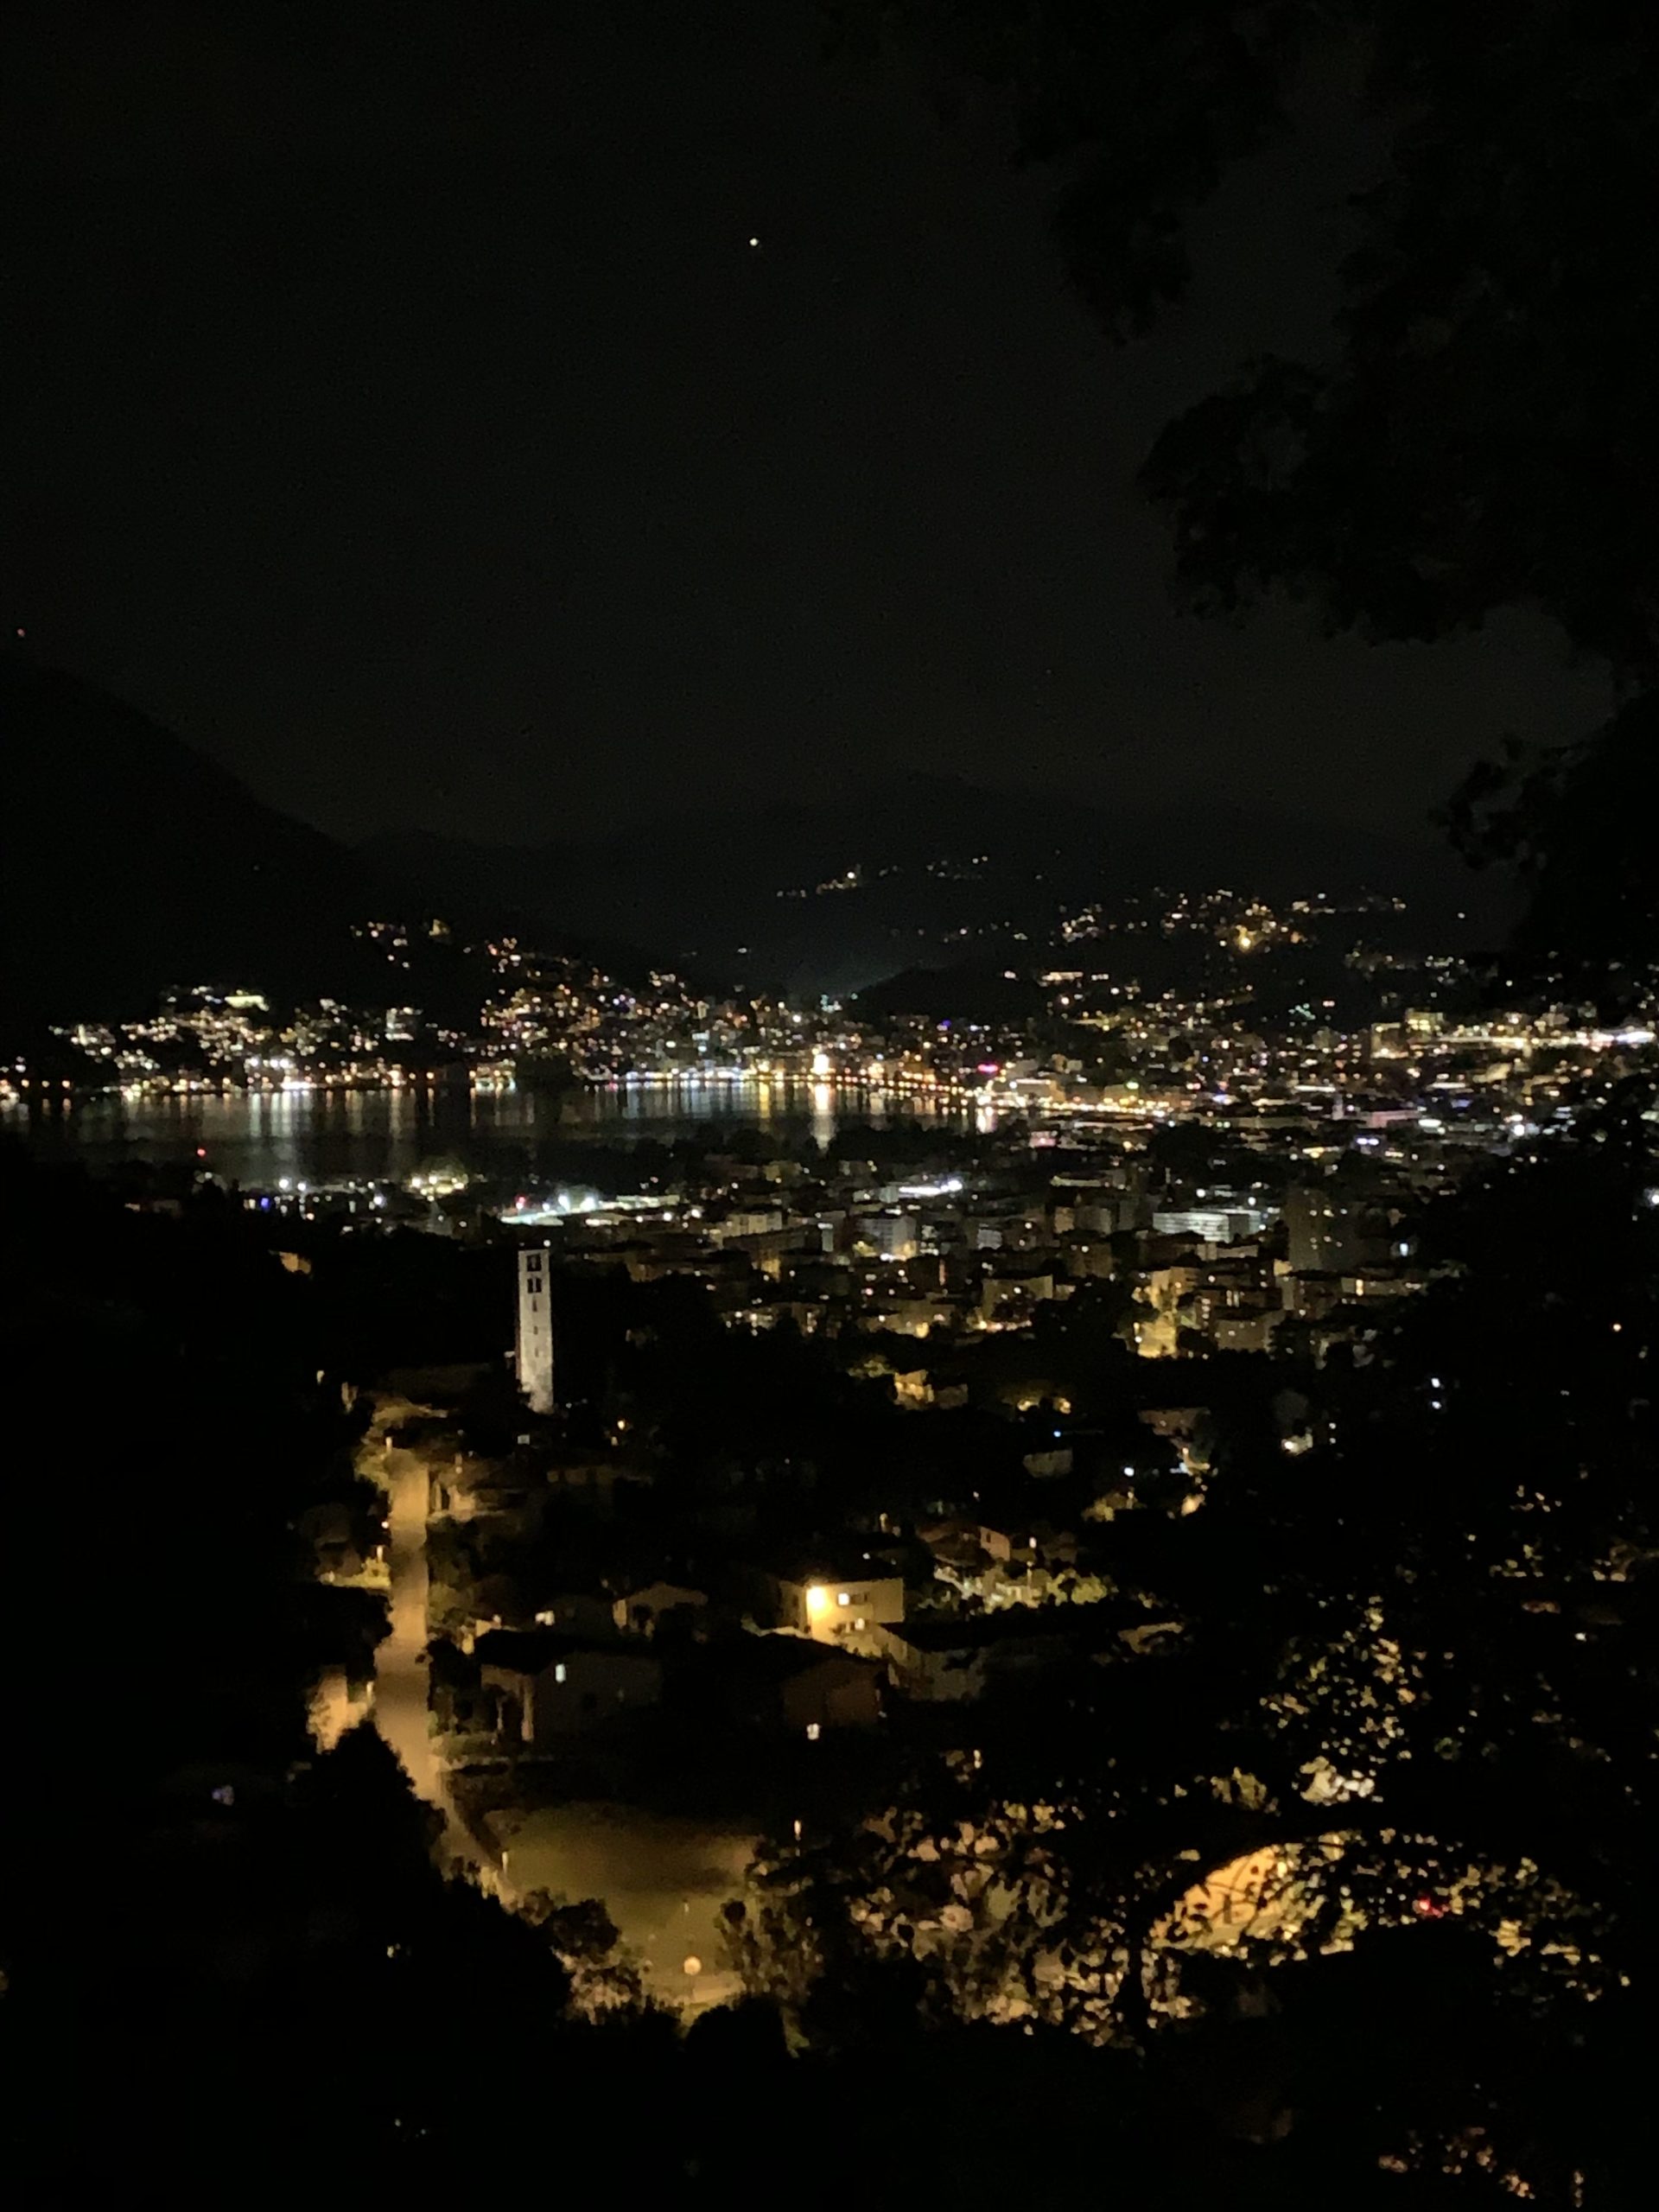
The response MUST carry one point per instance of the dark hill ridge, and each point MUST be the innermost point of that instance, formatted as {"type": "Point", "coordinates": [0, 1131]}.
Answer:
{"type": "Point", "coordinates": [132, 863]}
{"type": "Point", "coordinates": [710, 887]}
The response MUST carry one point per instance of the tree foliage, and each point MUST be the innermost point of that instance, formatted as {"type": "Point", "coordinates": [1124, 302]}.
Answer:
{"type": "Point", "coordinates": [1402, 1772]}
{"type": "Point", "coordinates": [1479, 435]}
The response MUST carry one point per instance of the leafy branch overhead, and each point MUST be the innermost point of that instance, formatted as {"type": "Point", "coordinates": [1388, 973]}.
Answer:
{"type": "Point", "coordinates": [1480, 434]}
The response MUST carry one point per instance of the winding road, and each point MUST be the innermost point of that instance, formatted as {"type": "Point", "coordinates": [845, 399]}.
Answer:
{"type": "Point", "coordinates": [401, 1673]}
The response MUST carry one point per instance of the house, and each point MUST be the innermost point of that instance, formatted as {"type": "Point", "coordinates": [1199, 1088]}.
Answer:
{"type": "Point", "coordinates": [784, 1683]}
{"type": "Point", "coordinates": [1001, 1544]}
{"type": "Point", "coordinates": [1244, 1331]}
{"type": "Point", "coordinates": [585, 1614]}
{"type": "Point", "coordinates": [1056, 1459]}
{"type": "Point", "coordinates": [468, 1487]}
{"type": "Point", "coordinates": [547, 1686]}
{"type": "Point", "coordinates": [834, 1601]}
{"type": "Point", "coordinates": [1017, 1285]}
{"type": "Point", "coordinates": [943, 1656]}
{"type": "Point", "coordinates": [501, 1601]}
{"type": "Point", "coordinates": [1178, 1425]}
{"type": "Point", "coordinates": [938, 1657]}
{"type": "Point", "coordinates": [646, 1609]}
{"type": "Point", "coordinates": [1022, 1546]}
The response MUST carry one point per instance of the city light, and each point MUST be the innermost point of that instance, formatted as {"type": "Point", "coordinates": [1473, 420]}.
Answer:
{"type": "Point", "coordinates": [720, 765]}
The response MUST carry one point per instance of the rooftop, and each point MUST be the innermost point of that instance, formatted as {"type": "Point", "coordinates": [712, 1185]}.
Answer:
{"type": "Point", "coordinates": [1100, 1622]}
{"type": "Point", "coordinates": [528, 1651]}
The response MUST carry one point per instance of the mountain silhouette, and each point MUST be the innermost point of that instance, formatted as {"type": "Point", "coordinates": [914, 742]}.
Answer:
{"type": "Point", "coordinates": [131, 864]}
{"type": "Point", "coordinates": [836, 895]}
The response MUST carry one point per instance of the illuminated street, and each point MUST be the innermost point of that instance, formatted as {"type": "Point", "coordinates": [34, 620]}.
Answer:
{"type": "Point", "coordinates": [400, 1706]}
{"type": "Point", "coordinates": [662, 1881]}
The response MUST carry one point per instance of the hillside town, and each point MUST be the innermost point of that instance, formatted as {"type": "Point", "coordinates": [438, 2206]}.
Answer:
{"type": "Point", "coordinates": [1145, 1010]}
{"type": "Point", "coordinates": [818, 1446]}
{"type": "Point", "coordinates": [829, 1106]}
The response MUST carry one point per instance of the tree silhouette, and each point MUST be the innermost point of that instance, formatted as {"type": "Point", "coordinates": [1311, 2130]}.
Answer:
{"type": "Point", "coordinates": [1415, 1711]}
{"type": "Point", "coordinates": [1480, 437]}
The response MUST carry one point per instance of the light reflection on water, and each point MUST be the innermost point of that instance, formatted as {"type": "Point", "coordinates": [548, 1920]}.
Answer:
{"type": "Point", "coordinates": [325, 1134]}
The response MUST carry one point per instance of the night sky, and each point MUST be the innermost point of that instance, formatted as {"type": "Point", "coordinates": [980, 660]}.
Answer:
{"type": "Point", "coordinates": [406, 418]}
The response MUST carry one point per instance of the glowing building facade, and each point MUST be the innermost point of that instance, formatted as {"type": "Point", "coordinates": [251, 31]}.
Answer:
{"type": "Point", "coordinates": [535, 1343]}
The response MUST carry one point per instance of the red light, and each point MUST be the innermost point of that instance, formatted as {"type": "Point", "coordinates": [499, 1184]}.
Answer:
{"type": "Point", "coordinates": [202, 1152]}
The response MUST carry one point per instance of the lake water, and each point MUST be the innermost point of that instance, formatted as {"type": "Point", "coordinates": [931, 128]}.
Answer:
{"type": "Point", "coordinates": [329, 1136]}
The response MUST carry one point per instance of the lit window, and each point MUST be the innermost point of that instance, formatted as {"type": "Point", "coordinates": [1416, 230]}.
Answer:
{"type": "Point", "coordinates": [813, 1732]}
{"type": "Point", "coordinates": [558, 1672]}
{"type": "Point", "coordinates": [843, 1598]}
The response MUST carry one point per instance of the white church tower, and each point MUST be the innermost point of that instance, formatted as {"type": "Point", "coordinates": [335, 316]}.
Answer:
{"type": "Point", "coordinates": [535, 1349]}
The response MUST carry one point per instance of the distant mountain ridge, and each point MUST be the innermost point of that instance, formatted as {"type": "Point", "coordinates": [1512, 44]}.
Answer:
{"type": "Point", "coordinates": [727, 888]}
{"type": "Point", "coordinates": [131, 863]}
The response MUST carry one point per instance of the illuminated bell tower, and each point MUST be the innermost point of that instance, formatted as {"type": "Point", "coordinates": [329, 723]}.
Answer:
{"type": "Point", "coordinates": [535, 1346]}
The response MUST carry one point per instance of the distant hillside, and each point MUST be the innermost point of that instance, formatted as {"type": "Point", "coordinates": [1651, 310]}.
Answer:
{"type": "Point", "coordinates": [972, 991]}
{"type": "Point", "coordinates": [132, 863]}
{"type": "Point", "coordinates": [743, 891]}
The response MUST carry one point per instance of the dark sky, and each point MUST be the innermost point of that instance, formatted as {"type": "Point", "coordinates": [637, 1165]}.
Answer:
{"type": "Point", "coordinates": [406, 418]}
